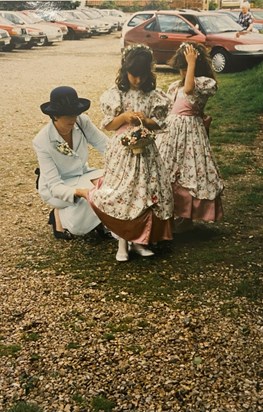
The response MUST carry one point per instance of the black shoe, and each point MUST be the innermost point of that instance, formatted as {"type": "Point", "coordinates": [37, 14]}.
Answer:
{"type": "Point", "coordinates": [102, 232]}
{"type": "Point", "coordinates": [66, 235]}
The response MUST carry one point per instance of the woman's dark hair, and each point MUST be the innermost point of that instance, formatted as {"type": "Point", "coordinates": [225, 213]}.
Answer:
{"type": "Point", "coordinates": [203, 65]}
{"type": "Point", "coordinates": [138, 61]}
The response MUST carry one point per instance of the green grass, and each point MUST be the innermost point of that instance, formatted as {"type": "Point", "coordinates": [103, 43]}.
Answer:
{"type": "Point", "coordinates": [9, 350]}
{"type": "Point", "coordinates": [236, 107]}
{"type": "Point", "coordinates": [100, 403]}
{"type": "Point", "coordinates": [25, 407]}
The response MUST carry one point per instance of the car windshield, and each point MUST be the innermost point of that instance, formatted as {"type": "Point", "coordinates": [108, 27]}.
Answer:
{"type": "Point", "coordinates": [5, 22]}
{"type": "Point", "coordinates": [35, 18]}
{"type": "Point", "coordinates": [213, 24]}
{"type": "Point", "coordinates": [258, 14]}
{"type": "Point", "coordinates": [136, 20]}
{"type": "Point", "coordinates": [26, 19]}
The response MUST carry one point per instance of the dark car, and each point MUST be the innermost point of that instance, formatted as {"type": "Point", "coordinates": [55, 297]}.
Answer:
{"type": "Point", "coordinates": [5, 39]}
{"type": "Point", "coordinates": [164, 32]}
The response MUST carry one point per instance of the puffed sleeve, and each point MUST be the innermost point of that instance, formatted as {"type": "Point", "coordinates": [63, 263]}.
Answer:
{"type": "Point", "coordinates": [173, 89]}
{"type": "Point", "coordinates": [159, 107]}
{"type": "Point", "coordinates": [111, 105]}
{"type": "Point", "coordinates": [205, 86]}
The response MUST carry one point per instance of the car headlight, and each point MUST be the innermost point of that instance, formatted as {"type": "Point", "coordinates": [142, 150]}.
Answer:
{"type": "Point", "coordinates": [16, 31]}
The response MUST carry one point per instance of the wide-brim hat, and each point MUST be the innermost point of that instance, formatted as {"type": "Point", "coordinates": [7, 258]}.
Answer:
{"type": "Point", "coordinates": [64, 101]}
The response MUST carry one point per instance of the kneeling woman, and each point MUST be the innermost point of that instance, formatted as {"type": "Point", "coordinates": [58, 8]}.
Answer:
{"type": "Point", "coordinates": [65, 177]}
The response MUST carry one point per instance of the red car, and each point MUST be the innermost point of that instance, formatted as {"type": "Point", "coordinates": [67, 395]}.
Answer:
{"type": "Point", "coordinates": [166, 30]}
{"type": "Point", "coordinates": [164, 33]}
{"type": "Point", "coordinates": [75, 29]}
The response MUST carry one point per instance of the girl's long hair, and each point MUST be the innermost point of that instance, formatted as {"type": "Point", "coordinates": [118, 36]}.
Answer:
{"type": "Point", "coordinates": [138, 61]}
{"type": "Point", "coordinates": [203, 65]}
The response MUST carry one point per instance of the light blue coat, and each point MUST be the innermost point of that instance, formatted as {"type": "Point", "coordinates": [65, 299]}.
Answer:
{"type": "Point", "coordinates": [61, 174]}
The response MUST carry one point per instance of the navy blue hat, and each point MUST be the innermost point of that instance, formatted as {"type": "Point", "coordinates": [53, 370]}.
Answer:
{"type": "Point", "coordinates": [64, 101]}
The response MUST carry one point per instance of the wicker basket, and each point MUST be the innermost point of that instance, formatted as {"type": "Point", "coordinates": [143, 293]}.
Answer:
{"type": "Point", "coordinates": [138, 147]}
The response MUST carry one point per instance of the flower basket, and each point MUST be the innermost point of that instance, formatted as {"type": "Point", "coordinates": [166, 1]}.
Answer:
{"type": "Point", "coordinates": [137, 138]}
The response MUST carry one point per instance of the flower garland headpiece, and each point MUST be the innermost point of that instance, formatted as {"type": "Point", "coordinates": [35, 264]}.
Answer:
{"type": "Point", "coordinates": [132, 47]}
{"type": "Point", "coordinates": [184, 45]}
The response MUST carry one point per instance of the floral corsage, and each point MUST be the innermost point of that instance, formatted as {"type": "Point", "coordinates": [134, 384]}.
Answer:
{"type": "Point", "coordinates": [137, 138]}
{"type": "Point", "coordinates": [64, 149]}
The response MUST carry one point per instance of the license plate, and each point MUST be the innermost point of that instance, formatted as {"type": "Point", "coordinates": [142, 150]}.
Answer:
{"type": "Point", "coordinates": [27, 38]}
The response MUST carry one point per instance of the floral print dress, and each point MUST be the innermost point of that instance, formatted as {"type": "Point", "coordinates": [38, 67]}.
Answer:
{"type": "Point", "coordinates": [134, 186]}
{"type": "Point", "coordinates": [187, 154]}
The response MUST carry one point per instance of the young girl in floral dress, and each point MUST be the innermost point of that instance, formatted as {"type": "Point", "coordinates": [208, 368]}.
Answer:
{"type": "Point", "coordinates": [134, 198]}
{"type": "Point", "coordinates": [185, 148]}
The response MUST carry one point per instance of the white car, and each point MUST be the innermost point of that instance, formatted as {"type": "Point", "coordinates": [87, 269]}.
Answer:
{"type": "Point", "coordinates": [99, 14]}
{"type": "Point", "coordinates": [134, 20]}
{"type": "Point", "coordinates": [118, 14]}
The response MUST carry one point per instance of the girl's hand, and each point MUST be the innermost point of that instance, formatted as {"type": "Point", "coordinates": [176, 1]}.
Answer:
{"type": "Point", "coordinates": [132, 117]}
{"type": "Point", "coordinates": [190, 54]}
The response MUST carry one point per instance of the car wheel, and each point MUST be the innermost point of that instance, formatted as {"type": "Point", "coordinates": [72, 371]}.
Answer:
{"type": "Point", "coordinates": [71, 34]}
{"type": "Point", "coordinates": [220, 60]}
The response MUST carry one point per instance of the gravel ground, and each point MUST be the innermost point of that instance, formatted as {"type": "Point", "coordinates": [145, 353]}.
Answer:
{"type": "Point", "coordinates": [68, 343]}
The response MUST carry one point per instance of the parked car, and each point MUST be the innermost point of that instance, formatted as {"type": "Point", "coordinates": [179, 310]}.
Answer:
{"type": "Point", "coordinates": [18, 35]}
{"type": "Point", "coordinates": [120, 15]}
{"type": "Point", "coordinates": [38, 18]}
{"type": "Point", "coordinates": [5, 39]}
{"type": "Point", "coordinates": [163, 33]}
{"type": "Point", "coordinates": [53, 34]}
{"type": "Point", "coordinates": [226, 50]}
{"type": "Point", "coordinates": [166, 30]}
{"type": "Point", "coordinates": [114, 21]}
{"type": "Point", "coordinates": [76, 30]}
{"type": "Point", "coordinates": [97, 26]}
{"type": "Point", "coordinates": [134, 20]}
{"type": "Point", "coordinates": [37, 35]}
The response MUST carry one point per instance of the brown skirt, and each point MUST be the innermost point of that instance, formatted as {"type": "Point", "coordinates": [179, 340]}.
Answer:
{"type": "Point", "coordinates": [185, 205]}
{"type": "Point", "coordinates": [146, 228]}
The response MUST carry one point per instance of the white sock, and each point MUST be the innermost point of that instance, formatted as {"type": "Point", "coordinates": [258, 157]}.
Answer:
{"type": "Point", "coordinates": [123, 246]}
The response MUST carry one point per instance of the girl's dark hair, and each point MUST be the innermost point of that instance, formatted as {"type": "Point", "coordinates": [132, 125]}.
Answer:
{"type": "Point", "coordinates": [138, 61]}
{"type": "Point", "coordinates": [203, 65]}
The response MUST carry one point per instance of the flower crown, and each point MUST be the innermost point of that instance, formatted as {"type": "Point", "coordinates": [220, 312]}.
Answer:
{"type": "Point", "coordinates": [184, 45]}
{"type": "Point", "coordinates": [132, 47]}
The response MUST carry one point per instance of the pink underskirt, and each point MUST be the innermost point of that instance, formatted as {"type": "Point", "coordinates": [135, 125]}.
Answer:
{"type": "Point", "coordinates": [185, 205]}
{"type": "Point", "coordinates": [145, 229]}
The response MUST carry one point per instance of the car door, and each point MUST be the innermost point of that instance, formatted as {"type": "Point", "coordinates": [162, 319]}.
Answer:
{"type": "Point", "coordinates": [166, 32]}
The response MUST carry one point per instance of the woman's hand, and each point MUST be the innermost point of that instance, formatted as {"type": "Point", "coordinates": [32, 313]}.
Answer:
{"type": "Point", "coordinates": [82, 193]}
